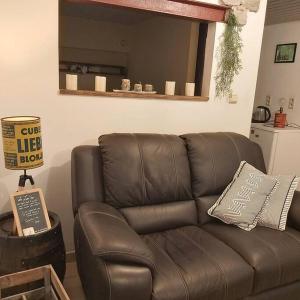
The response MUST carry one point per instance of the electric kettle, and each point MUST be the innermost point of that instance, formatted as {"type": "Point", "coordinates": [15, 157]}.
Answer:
{"type": "Point", "coordinates": [261, 114]}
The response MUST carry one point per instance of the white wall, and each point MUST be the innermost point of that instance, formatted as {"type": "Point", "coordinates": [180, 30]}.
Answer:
{"type": "Point", "coordinates": [279, 80]}
{"type": "Point", "coordinates": [29, 85]}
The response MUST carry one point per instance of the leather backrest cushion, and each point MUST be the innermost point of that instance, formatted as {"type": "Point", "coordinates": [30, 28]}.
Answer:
{"type": "Point", "coordinates": [144, 169]}
{"type": "Point", "coordinates": [159, 217]}
{"type": "Point", "coordinates": [215, 157]}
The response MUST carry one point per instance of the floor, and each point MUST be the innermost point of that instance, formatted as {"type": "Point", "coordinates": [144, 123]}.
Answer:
{"type": "Point", "coordinates": [72, 283]}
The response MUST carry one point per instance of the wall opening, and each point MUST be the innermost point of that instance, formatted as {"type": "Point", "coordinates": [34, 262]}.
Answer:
{"type": "Point", "coordinates": [145, 46]}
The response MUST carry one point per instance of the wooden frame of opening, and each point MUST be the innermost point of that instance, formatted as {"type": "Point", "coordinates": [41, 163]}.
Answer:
{"type": "Point", "coordinates": [191, 9]}
{"type": "Point", "coordinates": [133, 95]}
{"type": "Point", "coordinates": [182, 8]}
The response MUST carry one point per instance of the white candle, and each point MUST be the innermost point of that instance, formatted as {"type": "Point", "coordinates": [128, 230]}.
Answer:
{"type": "Point", "coordinates": [71, 82]}
{"type": "Point", "coordinates": [138, 87]}
{"type": "Point", "coordinates": [170, 88]}
{"type": "Point", "coordinates": [190, 89]}
{"type": "Point", "coordinates": [100, 84]}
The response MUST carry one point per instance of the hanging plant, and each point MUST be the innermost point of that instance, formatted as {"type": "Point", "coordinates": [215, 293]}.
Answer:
{"type": "Point", "coordinates": [229, 56]}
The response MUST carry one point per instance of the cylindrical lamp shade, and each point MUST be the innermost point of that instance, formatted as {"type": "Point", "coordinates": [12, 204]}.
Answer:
{"type": "Point", "coordinates": [22, 142]}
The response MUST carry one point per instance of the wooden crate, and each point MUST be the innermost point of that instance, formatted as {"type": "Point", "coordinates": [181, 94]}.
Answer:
{"type": "Point", "coordinates": [51, 289]}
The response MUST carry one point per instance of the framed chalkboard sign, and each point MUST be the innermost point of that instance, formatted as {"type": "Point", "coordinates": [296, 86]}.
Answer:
{"type": "Point", "coordinates": [30, 212]}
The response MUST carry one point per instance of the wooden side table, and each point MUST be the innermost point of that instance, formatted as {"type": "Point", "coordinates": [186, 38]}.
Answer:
{"type": "Point", "coordinates": [27, 252]}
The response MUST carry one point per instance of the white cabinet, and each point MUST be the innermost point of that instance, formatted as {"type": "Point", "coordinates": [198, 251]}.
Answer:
{"type": "Point", "coordinates": [281, 148]}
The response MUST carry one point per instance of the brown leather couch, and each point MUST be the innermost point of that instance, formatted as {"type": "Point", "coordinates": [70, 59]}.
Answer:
{"type": "Point", "coordinates": [142, 231]}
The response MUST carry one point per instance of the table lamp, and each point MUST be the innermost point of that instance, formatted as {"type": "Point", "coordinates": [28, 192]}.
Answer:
{"type": "Point", "coordinates": [22, 145]}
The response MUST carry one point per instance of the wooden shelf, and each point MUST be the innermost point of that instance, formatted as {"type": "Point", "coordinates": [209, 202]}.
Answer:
{"type": "Point", "coordinates": [132, 95]}
{"type": "Point", "coordinates": [183, 8]}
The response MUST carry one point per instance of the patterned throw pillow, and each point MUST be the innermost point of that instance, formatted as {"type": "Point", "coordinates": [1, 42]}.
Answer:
{"type": "Point", "coordinates": [242, 201]}
{"type": "Point", "coordinates": [277, 205]}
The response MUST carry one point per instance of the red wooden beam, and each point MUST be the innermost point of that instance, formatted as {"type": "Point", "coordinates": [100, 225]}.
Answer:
{"type": "Point", "coordinates": [181, 8]}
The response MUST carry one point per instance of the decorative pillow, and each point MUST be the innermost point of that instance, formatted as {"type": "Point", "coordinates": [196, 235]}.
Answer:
{"type": "Point", "coordinates": [242, 201]}
{"type": "Point", "coordinates": [277, 205]}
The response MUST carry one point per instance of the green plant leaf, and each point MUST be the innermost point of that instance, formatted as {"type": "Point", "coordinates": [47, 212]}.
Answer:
{"type": "Point", "coordinates": [229, 54]}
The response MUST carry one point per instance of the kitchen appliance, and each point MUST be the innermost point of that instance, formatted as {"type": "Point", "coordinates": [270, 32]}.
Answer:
{"type": "Point", "coordinates": [280, 119]}
{"type": "Point", "coordinates": [262, 114]}
{"type": "Point", "coordinates": [280, 148]}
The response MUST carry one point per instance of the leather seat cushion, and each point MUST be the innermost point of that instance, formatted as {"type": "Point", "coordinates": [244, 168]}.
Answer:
{"type": "Point", "coordinates": [192, 264]}
{"type": "Point", "coordinates": [274, 255]}
{"type": "Point", "coordinates": [144, 169]}
{"type": "Point", "coordinates": [286, 292]}
{"type": "Point", "coordinates": [160, 217]}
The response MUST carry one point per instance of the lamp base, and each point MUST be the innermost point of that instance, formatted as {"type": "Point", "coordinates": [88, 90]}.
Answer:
{"type": "Point", "coordinates": [22, 182]}
{"type": "Point", "coordinates": [23, 178]}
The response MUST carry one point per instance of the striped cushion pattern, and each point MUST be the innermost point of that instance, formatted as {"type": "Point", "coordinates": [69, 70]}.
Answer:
{"type": "Point", "coordinates": [275, 211]}
{"type": "Point", "coordinates": [242, 201]}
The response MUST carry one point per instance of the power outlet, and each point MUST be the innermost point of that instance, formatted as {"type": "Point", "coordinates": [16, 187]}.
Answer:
{"type": "Point", "coordinates": [233, 99]}
{"type": "Point", "coordinates": [268, 100]}
{"type": "Point", "coordinates": [291, 103]}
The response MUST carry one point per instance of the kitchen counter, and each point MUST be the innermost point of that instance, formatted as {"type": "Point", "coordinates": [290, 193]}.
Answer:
{"type": "Point", "coordinates": [270, 127]}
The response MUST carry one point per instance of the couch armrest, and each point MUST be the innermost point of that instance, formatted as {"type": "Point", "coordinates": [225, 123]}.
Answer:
{"type": "Point", "coordinates": [294, 213]}
{"type": "Point", "coordinates": [110, 237]}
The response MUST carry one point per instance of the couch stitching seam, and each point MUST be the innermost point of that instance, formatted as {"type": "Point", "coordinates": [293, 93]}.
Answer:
{"type": "Point", "coordinates": [213, 167]}
{"type": "Point", "coordinates": [275, 255]}
{"type": "Point", "coordinates": [109, 279]}
{"type": "Point", "coordinates": [156, 269]}
{"type": "Point", "coordinates": [176, 267]}
{"type": "Point", "coordinates": [84, 230]}
{"type": "Point", "coordinates": [105, 214]}
{"type": "Point", "coordinates": [209, 256]}
{"type": "Point", "coordinates": [143, 179]}
{"type": "Point", "coordinates": [175, 170]}
{"type": "Point", "coordinates": [144, 259]}
{"type": "Point", "coordinates": [234, 144]}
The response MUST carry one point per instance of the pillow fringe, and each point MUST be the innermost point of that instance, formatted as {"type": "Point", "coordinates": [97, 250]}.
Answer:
{"type": "Point", "coordinates": [287, 204]}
